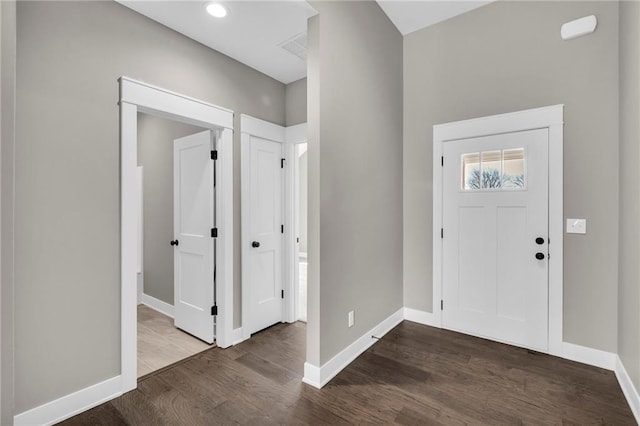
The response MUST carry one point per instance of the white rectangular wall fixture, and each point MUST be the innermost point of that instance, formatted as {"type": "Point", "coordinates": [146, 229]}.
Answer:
{"type": "Point", "coordinates": [576, 226]}
{"type": "Point", "coordinates": [578, 27]}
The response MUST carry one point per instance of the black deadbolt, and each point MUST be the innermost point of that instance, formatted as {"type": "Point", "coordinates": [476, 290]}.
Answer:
{"type": "Point", "coordinates": [539, 256]}
{"type": "Point", "coordinates": [174, 243]}
{"type": "Point", "coordinates": [255, 244]}
{"type": "Point", "coordinates": [539, 240]}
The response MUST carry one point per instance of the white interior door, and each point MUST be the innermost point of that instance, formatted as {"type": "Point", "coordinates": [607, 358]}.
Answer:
{"type": "Point", "coordinates": [194, 246]}
{"type": "Point", "coordinates": [265, 234]}
{"type": "Point", "coordinates": [495, 237]}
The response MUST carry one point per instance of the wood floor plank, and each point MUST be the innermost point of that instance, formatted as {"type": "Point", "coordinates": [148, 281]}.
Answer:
{"type": "Point", "coordinates": [102, 415]}
{"type": "Point", "coordinates": [266, 368]}
{"type": "Point", "coordinates": [160, 343]}
{"type": "Point", "coordinates": [136, 409]}
{"type": "Point", "coordinates": [415, 375]}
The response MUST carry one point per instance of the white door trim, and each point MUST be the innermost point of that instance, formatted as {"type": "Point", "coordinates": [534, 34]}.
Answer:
{"type": "Point", "coordinates": [288, 136]}
{"type": "Point", "coordinates": [294, 135]}
{"type": "Point", "coordinates": [539, 118]}
{"type": "Point", "coordinates": [137, 97]}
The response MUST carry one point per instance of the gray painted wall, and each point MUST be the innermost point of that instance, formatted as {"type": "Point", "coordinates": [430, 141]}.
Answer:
{"type": "Point", "coordinates": [360, 165]}
{"type": "Point", "coordinates": [296, 102]}
{"type": "Point", "coordinates": [505, 57]}
{"type": "Point", "coordinates": [70, 54]}
{"type": "Point", "coordinates": [7, 145]}
{"type": "Point", "coordinates": [155, 154]}
{"type": "Point", "coordinates": [629, 292]}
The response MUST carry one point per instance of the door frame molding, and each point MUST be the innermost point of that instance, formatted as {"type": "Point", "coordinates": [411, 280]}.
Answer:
{"type": "Point", "coordinates": [136, 96]}
{"type": "Point", "coordinates": [294, 136]}
{"type": "Point", "coordinates": [288, 137]}
{"type": "Point", "coordinates": [550, 118]}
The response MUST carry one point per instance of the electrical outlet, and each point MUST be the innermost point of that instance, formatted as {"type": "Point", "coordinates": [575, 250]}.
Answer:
{"type": "Point", "coordinates": [351, 319]}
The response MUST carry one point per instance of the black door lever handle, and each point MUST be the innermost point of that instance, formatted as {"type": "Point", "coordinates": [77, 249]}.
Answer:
{"type": "Point", "coordinates": [255, 244]}
{"type": "Point", "coordinates": [174, 242]}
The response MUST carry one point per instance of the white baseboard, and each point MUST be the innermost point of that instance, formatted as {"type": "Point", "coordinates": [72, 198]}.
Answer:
{"type": "Point", "coordinates": [421, 317]}
{"type": "Point", "coordinates": [140, 290]}
{"type": "Point", "coordinates": [158, 305]}
{"type": "Point", "coordinates": [312, 375]}
{"type": "Point", "coordinates": [320, 376]}
{"type": "Point", "coordinates": [70, 405]}
{"type": "Point", "coordinates": [628, 388]}
{"type": "Point", "coordinates": [590, 356]}
{"type": "Point", "coordinates": [237, 337]}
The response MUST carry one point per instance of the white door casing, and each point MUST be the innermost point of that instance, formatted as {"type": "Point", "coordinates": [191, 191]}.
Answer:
{"type": "Point", "coordinates": [295, 143]}
{"type": "Point", "coordinates": [135, 97]}
{"type": "Point", "coordinates": [193, 218]}
{"type": "Point", "coordinates": [550, 118]}
{"type": "Point", "coordinates": [493, 284]}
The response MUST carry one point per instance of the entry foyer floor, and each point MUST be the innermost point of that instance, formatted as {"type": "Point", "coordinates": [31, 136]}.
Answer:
{"type": "Point", "coordinates": [415, 375]}
{"type": "Point", "coordinates": [160, 343]}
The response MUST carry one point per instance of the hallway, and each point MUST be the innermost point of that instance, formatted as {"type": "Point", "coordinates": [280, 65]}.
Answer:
{"type": "Point", "coordinates": [414, 375]}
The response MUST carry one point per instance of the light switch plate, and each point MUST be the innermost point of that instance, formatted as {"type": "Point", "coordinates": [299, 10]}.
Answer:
{"type": "Point", "coordinates": [576, 226]}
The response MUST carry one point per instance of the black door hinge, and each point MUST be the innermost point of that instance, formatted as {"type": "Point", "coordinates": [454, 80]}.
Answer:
{"type": "Point", "coordinates": [214, 155]}
{"type": "Point", "coordinates": [214, 310]}
{"type": "Point", "coordinates": [214, 232]}
{"type": "Point", "coordinates": [282, 294]}
{"type": "Point", "coordinates": [282, 163]}
{"type": "Point", "coordinates": [442, 160]}
{"type": "Point", "coordinates": [442, 305]}
{"type": "Point", "coordinates": [282, 229]}
{"type": "Point", "coordinates": [441, 232]}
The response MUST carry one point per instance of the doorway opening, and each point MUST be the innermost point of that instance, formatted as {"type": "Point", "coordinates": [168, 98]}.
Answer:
{"type": "Point", "coordinates": [202, 240]}
{"type": "Point", "coordinates": [300, 184]}
{"type": "Point", "coordinates": [166, 334]}
{"type": "Point", "coordinates": [497, 207]}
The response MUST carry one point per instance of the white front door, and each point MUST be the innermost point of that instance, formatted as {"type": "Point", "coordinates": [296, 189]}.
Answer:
{"type": "Point", "coordinates": [193, 219]}
{"type": "Point", "coordinates": [495, 237]}
{"type": "Point", "coordinates": [265, 234]}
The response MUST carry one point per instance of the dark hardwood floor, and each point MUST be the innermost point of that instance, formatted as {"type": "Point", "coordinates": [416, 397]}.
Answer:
{"type": "Point", "coordinates": [415, 375]}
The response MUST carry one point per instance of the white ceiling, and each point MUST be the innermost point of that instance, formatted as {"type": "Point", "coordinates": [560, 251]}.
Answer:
{"type": "Point", "coordinates": [254, 31]}
{"type": "Point", "coordinates": [412, 15]}
{"type": "Point", "coordinates": [251, 33]}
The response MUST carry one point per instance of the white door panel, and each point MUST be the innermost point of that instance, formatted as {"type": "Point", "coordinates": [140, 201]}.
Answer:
{"type": "Point", "coordinates": [193, 221]}
{"type": "Point", "coordinates": [265, 255]}
{"type": "Point", "coordinates": [495, 205]}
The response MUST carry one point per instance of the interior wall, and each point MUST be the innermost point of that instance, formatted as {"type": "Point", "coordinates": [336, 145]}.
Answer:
{"type": "Point", "coordinates": [296, 102]}
{"type": "Point", "coordinates": [313, 186]}
{"type": "Point", "coordinates": [504, 57]}
{"type": "Point", "coordinates": [7, 146]}
{"type": "Point", "coordinates": [155, 154]}
{"type": "Point", "coordinates": [629, 292]}
{"type": "Point", "coordinates": [70, 55]}
{"type": "Point", "coordinates": [360, 170]}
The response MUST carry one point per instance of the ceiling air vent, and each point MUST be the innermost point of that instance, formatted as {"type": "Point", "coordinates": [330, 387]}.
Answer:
{"type": "Point", "coordinates": [296, 45]}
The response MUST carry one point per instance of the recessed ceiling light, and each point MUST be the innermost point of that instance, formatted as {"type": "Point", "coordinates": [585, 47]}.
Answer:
{"type": "Point", "coordinates": [217, 10]}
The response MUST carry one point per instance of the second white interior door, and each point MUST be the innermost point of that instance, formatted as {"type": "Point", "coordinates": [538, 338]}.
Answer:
{"type": "Point", "coordinates": [266, 235]}
{"type": "Point", "coordinates": [495, 237]}
{"type": "Point", "coordinates": [194, 245]}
